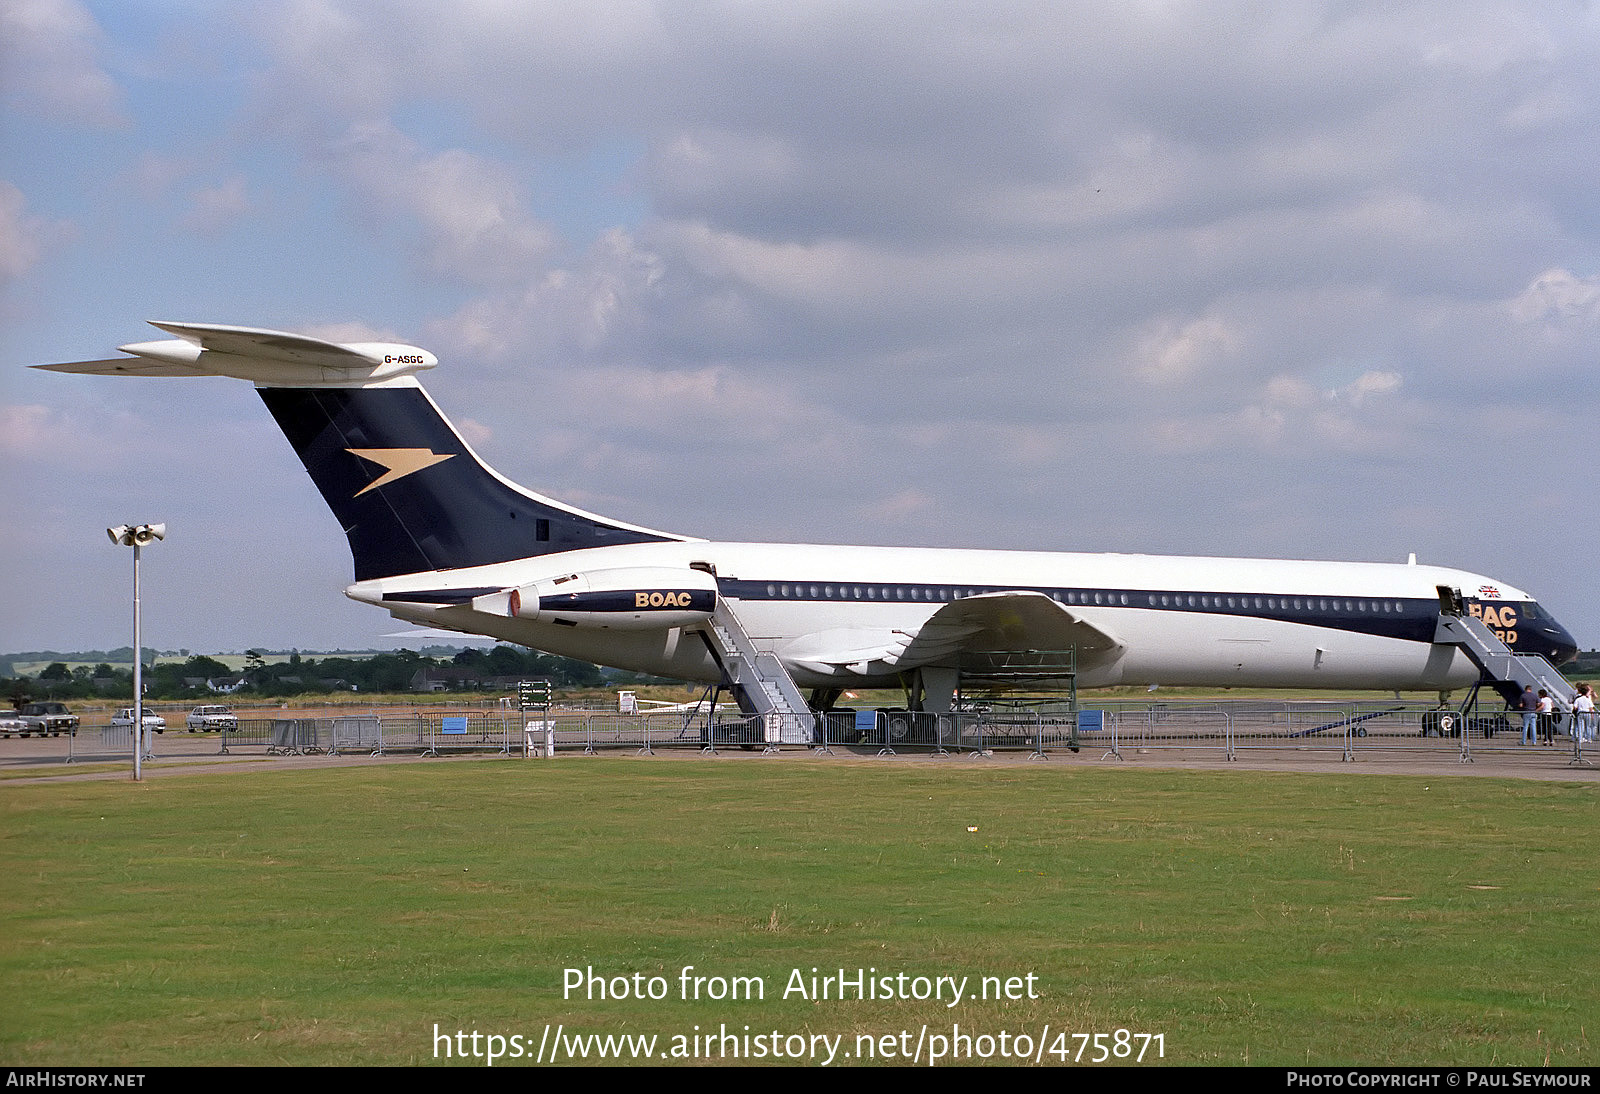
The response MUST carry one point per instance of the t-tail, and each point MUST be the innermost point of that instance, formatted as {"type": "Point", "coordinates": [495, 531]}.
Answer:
{"type": "Point", "coordinates": [409, 492]}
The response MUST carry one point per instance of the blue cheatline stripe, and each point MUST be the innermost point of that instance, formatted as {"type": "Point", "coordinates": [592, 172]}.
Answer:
{"type": "Point", "coordinates": [1412, 619]}
{"type": "Point", "coordinates": [441, 596]}
{"type": "Point", "coordinates": [627, 600]}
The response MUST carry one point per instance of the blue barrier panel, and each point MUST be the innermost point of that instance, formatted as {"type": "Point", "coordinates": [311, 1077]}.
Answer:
{"type": "Point", "coordinates": [866, 724]}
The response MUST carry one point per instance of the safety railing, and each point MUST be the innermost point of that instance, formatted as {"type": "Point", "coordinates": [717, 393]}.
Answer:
{"type": "Point", "coordinates": [1124, 730]}
{"type": "Point", "coordinates": [90, 744]}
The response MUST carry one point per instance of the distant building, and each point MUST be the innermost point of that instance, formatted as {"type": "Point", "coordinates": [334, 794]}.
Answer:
{"type": "Point", "coordinates": [457, 678]}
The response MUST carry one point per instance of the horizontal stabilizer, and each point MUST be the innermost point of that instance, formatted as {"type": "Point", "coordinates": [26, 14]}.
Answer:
{"type": "Point", "coordinates": [269, 358]}
{"type": "Point", "coordinates": [125, 366]}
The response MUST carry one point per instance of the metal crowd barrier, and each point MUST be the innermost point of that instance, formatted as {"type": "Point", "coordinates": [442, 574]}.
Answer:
{"type": "Point", "coordinates": [355, 733]}
{"type": "Point", "coordinates": [977, 733]}
{"type": "Point", "coordinates": [886, 730]}
{"type": "Point", "coordinates": [249, 733]}
{"type": "Point", "coordinates": [1111, 729]}
{"type": "Point", "coordinates": [97, 743]}
{"type": "Point", "coordinates": [424, 732]}
{"type": "Point", "coordinates": [471, 733]}
{"type": "Point", "coordinates": [594, 732]}
{"type": "Point", "coordinates": [295, 737]}
{"type": "Point", "coordinates": [746, 731]}
{"type": "Point", "coordinates": [1350, 729]}
{"type": "Point", "coordinates": [1041, 733]}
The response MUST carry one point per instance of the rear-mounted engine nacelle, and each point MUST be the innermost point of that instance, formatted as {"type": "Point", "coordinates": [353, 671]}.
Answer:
{"type": "Point", "coordinates": [628, 598]}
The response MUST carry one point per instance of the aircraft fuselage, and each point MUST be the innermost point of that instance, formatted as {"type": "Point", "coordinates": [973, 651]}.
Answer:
{"type": "Point", "coordinates": [1187, 621]}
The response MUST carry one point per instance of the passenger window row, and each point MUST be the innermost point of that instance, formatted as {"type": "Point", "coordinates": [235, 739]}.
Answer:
{"type": "Point", "coordinates": [941, 594]}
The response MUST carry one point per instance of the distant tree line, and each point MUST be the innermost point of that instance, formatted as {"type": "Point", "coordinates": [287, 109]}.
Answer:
{"type": "Point", "coordinates": [468, 669]}
{"type": "Point", "coordinates": [9, 661]}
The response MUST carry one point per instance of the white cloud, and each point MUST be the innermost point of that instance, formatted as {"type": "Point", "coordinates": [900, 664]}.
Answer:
{"type": "Point", "coordinates": [558, 313]}
{"type": "Point", "coordinates": [155, 175]}
{"type": "Point", "coordinates": [476, 433]}
{"type": "Point", "coordinates": [1182, 353]}
{"type": "Point", "coordinates": [1558, 296]}
{"type": "Point", "coordinates": [49, 63]}
{"type": "Point", "coordinates": [836, 169]}
{"type": "Point", "coordinates": [468, 210]}
{"type": "Point", "coordinates": [23, 238]}
{"type": "Point", "coordinates": [214, 209]}
{"type": "Point", "coordinates": [1288, 415]}
{"type": "Point", "coordinates": [26, 429]}
{"type": "Point", "coordinates": [1369, 385]}
{"type": "Point", "coordinates": [1290, 393]}
{"type": "Point", "coordinates": [352, 331]}
{"type": "Point", "coordinates": [900, 507]}
{"type": "Point", "coordinates": [45, 435]}
{"type": "Point", "coordinates": [1484, 38]}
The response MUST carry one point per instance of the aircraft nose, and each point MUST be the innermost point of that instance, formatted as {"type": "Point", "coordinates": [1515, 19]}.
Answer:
{"type": "Point", "coordinates": [1563, 646]}
{"type": "Point", "coordinates": [1566, 649]}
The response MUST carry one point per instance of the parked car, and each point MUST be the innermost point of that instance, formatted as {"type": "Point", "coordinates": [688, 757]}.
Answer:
{"type": "Point", "coordinates": [11, 722]}
{"type": "Point", "coordinates": [212, 719]}
{"type": "Point", "coordinates": [49, 717]}
{"type": "Point", "coordinates": [123, 719]}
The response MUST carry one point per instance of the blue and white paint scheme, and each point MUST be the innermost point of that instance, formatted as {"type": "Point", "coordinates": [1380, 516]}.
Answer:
{"type": "Point", "coordinates": [440, 539]}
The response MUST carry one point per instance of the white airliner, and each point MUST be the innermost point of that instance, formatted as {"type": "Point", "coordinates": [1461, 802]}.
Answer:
{"type": "Point", "coordinates": [442, 540]}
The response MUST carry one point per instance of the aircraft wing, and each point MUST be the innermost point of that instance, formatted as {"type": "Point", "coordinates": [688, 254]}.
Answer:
{"type": "Point", "coordinates": [993, 621]}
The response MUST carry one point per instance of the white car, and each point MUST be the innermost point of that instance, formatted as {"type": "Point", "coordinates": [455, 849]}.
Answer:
{"type": "Point", "coordinates": [123, 719]}
{"type": "Point", "coordinates": [50, 718]}
{"type": "Point", "coordinates": [212, 719]}
{"type": "Point", "coordinates": [11, 722]}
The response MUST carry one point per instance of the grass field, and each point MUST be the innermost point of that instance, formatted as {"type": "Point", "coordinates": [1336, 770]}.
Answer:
{"type": "Point", "coordinates": [334, 916]}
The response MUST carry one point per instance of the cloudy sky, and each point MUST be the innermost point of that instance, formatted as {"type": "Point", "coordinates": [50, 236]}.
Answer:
{"type": "Point", "coordinates": [1307, 279]}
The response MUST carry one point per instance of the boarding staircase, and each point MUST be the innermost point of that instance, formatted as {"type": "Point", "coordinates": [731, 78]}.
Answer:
{"type": "Point", "coordinates": [1507, 672]}
{"type": "Point", "coordinates": [759, 680]}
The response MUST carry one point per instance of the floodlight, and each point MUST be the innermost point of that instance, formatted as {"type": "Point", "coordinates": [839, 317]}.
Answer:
{"type": "Point", "coordinates": [137, 536]}
{"type": "Point", "coordinates": [142, 535]}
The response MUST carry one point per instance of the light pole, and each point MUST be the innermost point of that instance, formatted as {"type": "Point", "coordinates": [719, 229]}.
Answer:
{"type": "Point", "coordinates": [137, 536]}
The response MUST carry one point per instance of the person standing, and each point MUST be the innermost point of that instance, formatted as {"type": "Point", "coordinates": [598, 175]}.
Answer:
{"type": "Point", "coordinates": [1530, 716]}
{"type": "Point", "coordinates": [1583, 715]}
{"type": "Point", "coordinates": [1547, 722]}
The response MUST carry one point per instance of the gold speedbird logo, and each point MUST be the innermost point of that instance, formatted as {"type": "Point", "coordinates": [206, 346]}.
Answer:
{"type": "Point", "coordinates": [399, 462]}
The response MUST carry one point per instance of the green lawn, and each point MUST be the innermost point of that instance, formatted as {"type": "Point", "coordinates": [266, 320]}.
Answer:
{"type": "Point", "coordinates": [335, 916]}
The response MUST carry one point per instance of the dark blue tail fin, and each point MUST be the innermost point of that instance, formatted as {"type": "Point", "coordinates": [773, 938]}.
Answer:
{"type": "Point", "coordinates": [409, 493]}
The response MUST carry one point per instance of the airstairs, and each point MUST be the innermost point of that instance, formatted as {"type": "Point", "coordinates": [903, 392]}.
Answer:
{"type": "Point", "coordinates": [759, 680]}
{"type": "Point", "coordinates": [1506, 671]}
